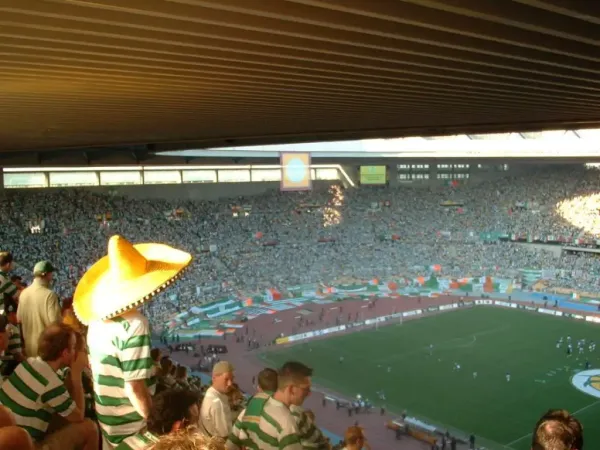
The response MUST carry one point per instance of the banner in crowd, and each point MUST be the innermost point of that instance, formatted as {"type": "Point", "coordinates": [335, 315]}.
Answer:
{"type": "Point", "coordinates": [530, 276]}
{"type": "Point", "coordinates": [273, 295]}
{"type": "Point", "coordinates": [240, 307]}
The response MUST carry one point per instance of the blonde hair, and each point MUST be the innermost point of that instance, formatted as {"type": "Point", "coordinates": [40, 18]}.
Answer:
{"type": "Point", "coordinates": [189, 439]}
{"type": "Point", "coordinates": [353, 435]}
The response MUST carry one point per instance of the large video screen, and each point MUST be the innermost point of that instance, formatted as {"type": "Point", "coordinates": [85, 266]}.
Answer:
{"type": "Point", "coordinates": [373, 174]}
{"type": "Point", "coordinates": [295, 172]}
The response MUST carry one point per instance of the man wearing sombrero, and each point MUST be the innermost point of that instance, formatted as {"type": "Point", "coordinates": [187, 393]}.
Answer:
{"type": "Point", "coordinates": [106, 299]}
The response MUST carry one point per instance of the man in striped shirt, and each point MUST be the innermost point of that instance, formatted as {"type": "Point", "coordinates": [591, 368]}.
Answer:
{"type": "Point", "coordinates": [267, 381]}
{"type": "Point", "coordinates": [7, 287]}
{"type": "Point", "coordinates": [267, 422]}
{"type": "Point", "coordinates": [35, 391]}
{"type": "Point", "coordinates": [172, 410]}
{"type": "Point", "coordinates": [122, 370]}
{"type": "Point", "coordinates": [14, 352]}
{"type": "Point", "coordinates": [311, 435]}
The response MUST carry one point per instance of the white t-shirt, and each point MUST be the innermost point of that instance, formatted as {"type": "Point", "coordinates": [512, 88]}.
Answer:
{"type": "Point", "coordinates": [215, 414]}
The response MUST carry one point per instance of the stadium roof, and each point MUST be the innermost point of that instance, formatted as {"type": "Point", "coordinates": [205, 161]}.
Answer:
{"type": "Point", "coordinates": [553, 144]}
{"type": "Point", "coordinates": [176, 74]}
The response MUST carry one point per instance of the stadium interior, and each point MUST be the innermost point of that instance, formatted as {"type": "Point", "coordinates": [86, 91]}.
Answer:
{"type": "Point", "coordinates": [394, 205]}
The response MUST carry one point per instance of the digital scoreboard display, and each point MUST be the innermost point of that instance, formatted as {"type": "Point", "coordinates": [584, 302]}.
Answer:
{"type": "Point", "coordinates": [373, 174]}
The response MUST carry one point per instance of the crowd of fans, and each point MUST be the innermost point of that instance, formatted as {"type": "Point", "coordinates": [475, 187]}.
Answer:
{"type": "Point", "coordinates": [81, 373]}
{"type": "Point", "coordinates": [272, 240]}
{"type": "Point", "coordinates": [91, 380]}
{"type": "Point", "coordinates": [115, 392]}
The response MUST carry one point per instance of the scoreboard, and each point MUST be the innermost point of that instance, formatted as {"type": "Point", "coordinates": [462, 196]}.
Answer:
{"type": "Point", "coordinates": [373, 174]}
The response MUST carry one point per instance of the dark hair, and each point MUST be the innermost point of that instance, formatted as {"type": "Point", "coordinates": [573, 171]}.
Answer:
{"type": "Point", "coordinates": [292, 372]}
{"type": "Point", "coordinates": [67, 303]}
{"type": "Point", "coordinates": [170, 406]}
{"type": "Point", "coordinates": [154, 354]}
{"type": "Point", "coordinates": [5, 258]}
{"type": "Point", "coordinates": [267, 379]}
{"type": "Point", "coordinates": [54, 340]}
{"type": "Point", "coordinates": [181, 372]}
{"type": "Point", "coordinates": [166, 364]}
{"type": "Point", "coordinates": [557, 430]}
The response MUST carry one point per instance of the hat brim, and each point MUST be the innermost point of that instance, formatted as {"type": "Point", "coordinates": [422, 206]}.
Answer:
{"type": "Point", "coordinates": [99, 297]}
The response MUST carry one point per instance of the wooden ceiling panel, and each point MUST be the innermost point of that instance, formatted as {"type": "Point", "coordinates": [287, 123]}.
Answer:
{"type": "Point", "coordinates": [209, 73]}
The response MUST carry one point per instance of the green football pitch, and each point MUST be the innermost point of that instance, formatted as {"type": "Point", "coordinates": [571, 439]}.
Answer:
{"type": "Point", "coordinates": [488, 340]}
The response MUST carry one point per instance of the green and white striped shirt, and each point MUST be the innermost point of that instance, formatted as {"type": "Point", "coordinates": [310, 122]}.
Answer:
{"type": "Point", "coordinates": [33, 393]}
{"type": "Point", "coordinates": [6, 286]}
{"type": "Point", "coordinates": [265, 424]}
{"type": "Point", "coordinates": [14, 342]}
{"type": "Point", "coordinates": [140, 441]}
{"type": "Point", "coordinates": [310, 435]}
{"type": "Point", "coordinates": [119, 352]}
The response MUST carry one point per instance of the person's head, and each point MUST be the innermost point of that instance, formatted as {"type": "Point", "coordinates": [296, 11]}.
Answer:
{"type": "Point", "coordinates": [188, 440]}
{"type": "Point", "coordinates": [222, 377]}
{"type": "Point", "coordinates": [6, 262]}
{"type": "Point", "coordinates": [58, 343]}
{"type": "Point", "coordinates": [11, 313]}
{"type": "Point", "coordinates": [267, 380]}
{"type": "Point", "coordinates": [67, 303]}
{"type": "Point", "coordinates": [155, 355]}
{"type": "Point", "coordinates": [557, 430]}
{"type": "Point", "coordinates": [181, 373]}
{"type": "Point", "coordinates": [354, 437]}
{"type": "Point", "coordinates": [293, 383]}
{"type": "Point", "coordinates": [44, 270]}
{"type": "Point", "coordinates": [173, 410]}
{"type": "Point", "coordinates": [165, 366]}
{"type": "Point", "coordinates": [18, 282]}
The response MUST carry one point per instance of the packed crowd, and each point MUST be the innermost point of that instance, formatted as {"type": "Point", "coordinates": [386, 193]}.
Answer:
{"type": "Point", "coordinates": [272, 240]}
{"type": "Point", "coordinates": [84, 375]}
{"type": "Point", "coordinates": [67, 370]}
{"type": "Point", "coordinates": [140, 399]}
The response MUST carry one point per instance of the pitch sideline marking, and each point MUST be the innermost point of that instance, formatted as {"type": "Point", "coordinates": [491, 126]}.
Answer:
{"type": "Point", "coordinates": [574, 414]}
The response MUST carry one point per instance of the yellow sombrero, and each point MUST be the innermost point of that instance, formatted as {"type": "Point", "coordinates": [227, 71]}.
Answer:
{"type": "Point", "coordinates": [127, 277]}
